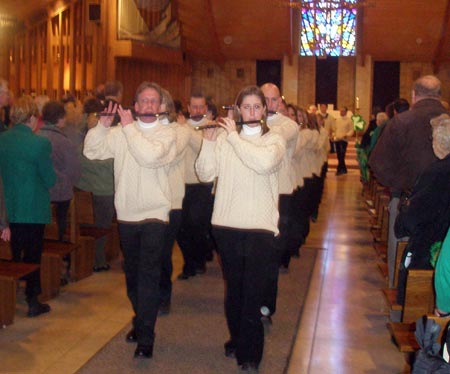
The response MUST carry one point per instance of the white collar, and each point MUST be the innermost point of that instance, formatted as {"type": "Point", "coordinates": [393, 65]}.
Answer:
{"type": "Point", "coordinates": [164, 121]}
{"type": "Point", "coordinates": [251, 130]}
{"type": "Point", "coordinates": [144, 125]}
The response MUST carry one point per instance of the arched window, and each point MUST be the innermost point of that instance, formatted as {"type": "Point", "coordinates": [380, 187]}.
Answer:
{"type": "Point", "coordinates": [328, 28]}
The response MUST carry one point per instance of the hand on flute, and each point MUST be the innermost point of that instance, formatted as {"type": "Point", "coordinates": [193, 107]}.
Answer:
{"type": "Point", "coordinates": [228, 124]}
{"type": "Point", "coordinates": [126, 116]}
{"type": "Point", "coordinates": [107, 119]}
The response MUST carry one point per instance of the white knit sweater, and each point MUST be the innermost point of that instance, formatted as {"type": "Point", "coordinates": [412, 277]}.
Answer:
{"type": "Point", "coordinates": [141, 163]}
{"type": "Point", "coordinates": [195, 143]}
{"type": "Point", "coordinates": [288, 129]}
{"type": "Point", "coordinates": [247, 186]}
{"type": "Point", "coordinates": [305, 153]}
{"type": "Point", "coordinates": [177, 166]}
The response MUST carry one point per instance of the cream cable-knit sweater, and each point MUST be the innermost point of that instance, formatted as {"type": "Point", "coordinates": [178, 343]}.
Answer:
{"type": "Point", "coordinates": [307, 145]}
{"type": "Point", "coordinates": [177, 166]}
{"type": "Point", "coordinates": [323, 146]}
{"type": "Point", "coordinates": [288, 129]}
{"type": "Point", "coordinates": [141, 163]}
{"type": "Point", "coordinates": [195, 143]}
{"type": "Point", "coordinates": [247, 185]}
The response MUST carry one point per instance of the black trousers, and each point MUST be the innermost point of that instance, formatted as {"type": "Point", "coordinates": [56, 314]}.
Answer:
{"type": "Point", "coordinates": [142, 246]}
{"type": "Point", "coordinates": [26, 245]}
{"type": "Point", "coordinates": [341, 148]}
{"type": "Point", "coordinates": [246, 257]}
{"type": "Point", "coordinates": [165, 284]}
{"type": "Point", "coordinates": [194, 236]}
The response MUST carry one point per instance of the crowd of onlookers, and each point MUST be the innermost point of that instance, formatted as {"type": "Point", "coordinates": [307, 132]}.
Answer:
{"type": "Point", "coordinates": [406, 149]}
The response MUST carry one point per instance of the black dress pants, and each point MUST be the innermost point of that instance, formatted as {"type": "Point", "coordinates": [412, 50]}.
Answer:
{"type": "Point", "coordinates": [246, 256]}
{"type": "Point", "coordinates": [26, 245]}
{"type": "Point", "coordinates": [142, 246]}
{"type": "Point", "coordinates": [165, 283]}
{"type": "Point", "coordinates": [341, 149]}
{"type": "Point", "coordinates": [194, 236]}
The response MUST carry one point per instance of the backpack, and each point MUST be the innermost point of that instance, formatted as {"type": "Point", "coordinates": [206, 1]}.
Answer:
{"type": "Point", "coordinates": [428, 360]}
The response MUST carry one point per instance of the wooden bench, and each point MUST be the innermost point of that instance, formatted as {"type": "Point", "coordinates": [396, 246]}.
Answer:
{"type": "Point", "coordinates": [51, 263]}
{"type": "Point", "coordinates": [419, 295]}
{"type": "Point", "coordinates": [403, 334]}
{"type": "Point", "coordinates": [83, 256]}
{"type": "Point", "coordinates": [10, 273]}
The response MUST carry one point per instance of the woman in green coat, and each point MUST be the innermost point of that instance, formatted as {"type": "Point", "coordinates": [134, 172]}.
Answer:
{"type": "Point", "coordinates": [27, 172]}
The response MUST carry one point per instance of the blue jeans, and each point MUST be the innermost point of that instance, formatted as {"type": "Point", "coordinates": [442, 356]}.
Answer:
{"type": "Point", "coordinates": [142, 246]}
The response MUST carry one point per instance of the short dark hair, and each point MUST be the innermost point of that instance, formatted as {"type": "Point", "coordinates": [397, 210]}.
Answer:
{"type": "Point", "coordinates": [92, 105]}
{"type": "Point", "coordinates": [113, 88]}
{"type": "Point", "coordinates": [401, 105]}
{"type": "Point", "coordinates": [53, 111]}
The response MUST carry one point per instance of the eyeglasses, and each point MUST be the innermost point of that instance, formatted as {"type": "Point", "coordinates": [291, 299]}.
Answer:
{"type": "Point", "coordinates": [248, 107]}
{"type": "Point", "coordinates": [149, 101]}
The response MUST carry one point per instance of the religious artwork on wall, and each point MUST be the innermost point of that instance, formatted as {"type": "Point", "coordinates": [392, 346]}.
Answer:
{"type": "Point", "coordinates": [328, 28]}
{"type": "Point", "coordinates": [148, 21]}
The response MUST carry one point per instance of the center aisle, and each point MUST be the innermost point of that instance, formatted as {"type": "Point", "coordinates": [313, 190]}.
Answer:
{"type": "Point", "coordinates": [343, 327]}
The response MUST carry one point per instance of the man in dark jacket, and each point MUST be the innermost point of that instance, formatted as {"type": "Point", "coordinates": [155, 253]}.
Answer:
{"type": "Point", "coordinates": [405, 150]}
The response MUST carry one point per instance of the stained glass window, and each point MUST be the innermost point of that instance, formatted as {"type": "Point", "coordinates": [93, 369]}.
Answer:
{"type": "Point", "coordinates": [328, 28]}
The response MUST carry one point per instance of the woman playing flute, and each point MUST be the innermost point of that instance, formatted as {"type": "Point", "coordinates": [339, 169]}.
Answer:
{"type": "Point", "coordinates": [245, 217]}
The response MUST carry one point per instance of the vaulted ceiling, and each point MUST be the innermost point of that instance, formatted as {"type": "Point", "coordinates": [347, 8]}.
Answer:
{"type": "Point", "coordinates": [404, 30]}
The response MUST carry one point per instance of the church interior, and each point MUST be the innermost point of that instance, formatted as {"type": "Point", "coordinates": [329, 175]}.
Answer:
{"type": "Point", "coordinates": [341, 319]}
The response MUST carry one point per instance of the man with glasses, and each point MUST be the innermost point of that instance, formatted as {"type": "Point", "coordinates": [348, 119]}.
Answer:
{"type": "Point", "coordinates": [142, 150]}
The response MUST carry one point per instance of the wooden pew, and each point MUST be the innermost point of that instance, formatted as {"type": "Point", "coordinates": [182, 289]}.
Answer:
{"type": "Point", "coordinates": [419, 295]}
{"type": "Point", "coordinates": [53, 253]}
{"type": "Point", "coordinates": [403, 333]}
{"type": "Point", "coordinates": [51, 263]}
{"type": "Point", "coordinates": [10, 273]}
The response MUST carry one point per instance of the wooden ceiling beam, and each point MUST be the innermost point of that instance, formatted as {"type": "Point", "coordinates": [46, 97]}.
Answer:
{"type": "Point", "coordinates": [443, 40]}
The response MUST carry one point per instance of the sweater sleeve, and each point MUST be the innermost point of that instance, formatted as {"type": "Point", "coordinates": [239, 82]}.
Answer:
{"type": "Point", "coordinates": [45, 164]}
{"type": "Point", "coordinates": [73, 163]}
{"type": "Point", "coordinates": [206, 164]}
{"type": "Point", "coordinates": [263, 159]}
{"type": "Point", "coordinates": [154, 151]}
{"type": "Point", "coordinates": [98, 143]}
{"type": "Point", "coordinates": [3, 215]}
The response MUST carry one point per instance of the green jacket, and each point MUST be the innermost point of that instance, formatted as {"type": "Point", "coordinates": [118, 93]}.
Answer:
{"type": "Point", "coordinates": [27, 172]}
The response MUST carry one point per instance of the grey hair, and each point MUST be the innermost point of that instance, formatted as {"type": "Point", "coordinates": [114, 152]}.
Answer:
{"type": "Point", "coordinates": [441, 131]}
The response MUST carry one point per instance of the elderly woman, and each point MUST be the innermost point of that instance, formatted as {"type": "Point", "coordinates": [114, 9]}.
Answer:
{"type": "Point", "coordinates": [426, 216]}
{"type": "Point", "coordinates": [65, 161]}
{"type": "Point", "coordinates": [441, 147]}
{"type": "Point", "coordinates": [28, 174]}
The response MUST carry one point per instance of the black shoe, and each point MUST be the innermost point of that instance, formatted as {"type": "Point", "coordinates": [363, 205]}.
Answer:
{"type": "Point", "coordinates": [250, 368]}
{"type": "Point", "coordinates": [230, 349]}
{"type": "Point", "coordinates": [143, 351]}
{"type": "Point", "coordinates": [98, 269]}
{"type": "Point", "coordinates": [164, 309]}
{"type": "Point", "coordinates": [184, 276]}
{"type": "Point", "coordinates": [37, 308]}
{"type": "Point", "coordinates": [131, 336]}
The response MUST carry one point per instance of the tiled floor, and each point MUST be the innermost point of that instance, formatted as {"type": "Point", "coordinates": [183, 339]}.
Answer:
{"type": "Point", "coordinates": [342, 330]}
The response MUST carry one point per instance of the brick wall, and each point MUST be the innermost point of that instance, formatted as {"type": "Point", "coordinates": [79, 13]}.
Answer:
{"type": "Point", "coordinates": [223, 83]}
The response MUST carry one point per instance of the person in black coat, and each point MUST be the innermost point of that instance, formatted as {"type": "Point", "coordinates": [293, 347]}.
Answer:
{"type": "Point", "coordinates": [425, 215]}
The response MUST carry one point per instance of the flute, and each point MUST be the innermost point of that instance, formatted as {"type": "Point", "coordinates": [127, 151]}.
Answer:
{"type": "Point", "coordinates": [156, 115]}
{"type": "Point", "coordinates": [271, 112]}
{"type": "Point", "coordinates": [239, 123]}
{"type": "Point", "coordinates": [228, 107]}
